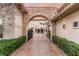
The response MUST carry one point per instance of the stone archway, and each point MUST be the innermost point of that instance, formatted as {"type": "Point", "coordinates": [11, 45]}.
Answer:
{"type": "Point", "coordinates": [45, 12]}
{"type": "Point", "coordinates": [39, 16]}
{"type": "Point", "coordinates": [45, 19]}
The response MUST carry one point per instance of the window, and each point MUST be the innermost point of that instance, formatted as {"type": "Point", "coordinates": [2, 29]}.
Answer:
{"type": "Point", "coordinates": [75, 24]}
{"type": "Point", "coordinates": [1, 28]}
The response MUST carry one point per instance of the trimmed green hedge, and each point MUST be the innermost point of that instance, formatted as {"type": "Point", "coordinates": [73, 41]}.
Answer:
{"type": "Point", "coordinates": [69, 47]}
{"type": "Point", "coordinates": [9, 45]}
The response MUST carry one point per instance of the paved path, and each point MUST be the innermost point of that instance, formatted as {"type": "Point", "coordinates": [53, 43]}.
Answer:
{"type": "Point", "coordinates": [39, 45]}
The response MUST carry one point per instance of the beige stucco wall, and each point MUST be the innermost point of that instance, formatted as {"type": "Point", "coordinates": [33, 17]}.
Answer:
{"type": "Point", "coordinates": [69, 32]}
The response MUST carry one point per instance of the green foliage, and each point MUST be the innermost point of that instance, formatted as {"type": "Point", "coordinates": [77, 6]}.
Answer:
{"type": "Point", "coordinates": [7, 46]}
{"type": "Point", "coordinates": [69, 47]}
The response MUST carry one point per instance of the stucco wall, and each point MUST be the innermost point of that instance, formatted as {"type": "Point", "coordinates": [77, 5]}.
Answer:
{"type": "Point", "coordinates": [69, 31]}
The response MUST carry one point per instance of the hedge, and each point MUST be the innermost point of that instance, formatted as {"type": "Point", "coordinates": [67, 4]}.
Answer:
{"type": "Point", "coordinates": [7, 46]}
{"type": "Point", "coordinates": [69, 47]}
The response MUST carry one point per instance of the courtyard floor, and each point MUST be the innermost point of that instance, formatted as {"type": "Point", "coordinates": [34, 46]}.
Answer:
{"type": "Point", "coordinates": [39, 45]}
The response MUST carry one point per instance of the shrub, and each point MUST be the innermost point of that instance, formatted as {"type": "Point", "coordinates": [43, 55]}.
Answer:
{"type": "Point", "coordinates": [69, 47]}
{"type": "Point", "coordinates": [9, 45]}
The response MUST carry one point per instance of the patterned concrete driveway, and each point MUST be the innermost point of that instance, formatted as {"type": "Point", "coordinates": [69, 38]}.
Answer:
{"type": "Point", "coordinates": [39, 45]}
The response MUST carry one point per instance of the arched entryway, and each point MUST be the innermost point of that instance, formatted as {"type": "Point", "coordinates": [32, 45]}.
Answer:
{"type": "Point", "coordinates": [43, 20]}
{"type": "Point", "coordinates": [39, 45]}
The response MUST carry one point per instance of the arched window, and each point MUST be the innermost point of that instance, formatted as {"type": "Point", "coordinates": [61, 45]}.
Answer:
{"type": "Point", "coordinates": [1, 28]}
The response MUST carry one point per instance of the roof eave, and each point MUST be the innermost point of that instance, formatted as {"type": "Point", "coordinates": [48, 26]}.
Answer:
{"type": "Point", "coordinates": [67, 11]}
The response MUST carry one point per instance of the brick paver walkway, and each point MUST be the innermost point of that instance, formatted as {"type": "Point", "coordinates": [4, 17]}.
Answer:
{"type": "Point", "coordinates": [39, 45]}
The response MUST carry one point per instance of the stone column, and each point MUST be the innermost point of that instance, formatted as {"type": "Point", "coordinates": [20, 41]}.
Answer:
{"type": "Point", "coordinates": [24, 23]}
{"type": "Point", "coordinates": [52, 29]}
